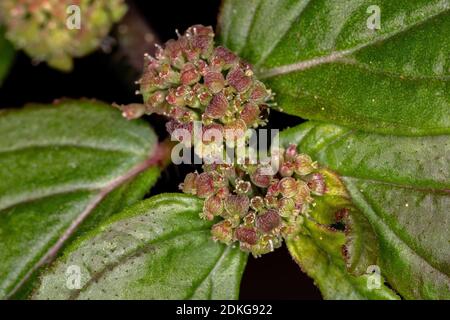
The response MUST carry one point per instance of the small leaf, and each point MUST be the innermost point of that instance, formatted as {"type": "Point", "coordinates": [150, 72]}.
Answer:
{"type": "Point", "coordinates": [318, 252]}
{"type": "Point", "coordinates": [402, 186]}
{"type": "Point", "coordinates": [6, 55]}
{"type": "Point", "coordinates": [325, 63]}
{"type": "Point", "coordinates": [157, 249]}
{"type": "Point", "coordinates": [61, 165]}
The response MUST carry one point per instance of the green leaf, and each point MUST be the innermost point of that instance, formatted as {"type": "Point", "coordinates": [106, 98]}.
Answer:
{"type": "Point", "coordinates": [62, 165]}
{"type": "Point", "coordinates": [6, 56]}
{"type": "Point", "coordinates": [402, 186]}
{"type": "Point", "coordinates": [318, 252]}
{"type": "Point", "coordinates": [157, 249]}
{"type": "Point", "coordinates": [324, 63]}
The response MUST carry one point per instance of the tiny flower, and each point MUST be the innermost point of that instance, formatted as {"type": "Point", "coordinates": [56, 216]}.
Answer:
{"type": "Point", "coordinates": [257, 203]}
{"type": "Point", "coordinates": [243, 187]}
{"type": "Point", "coordinates": [287, 169]}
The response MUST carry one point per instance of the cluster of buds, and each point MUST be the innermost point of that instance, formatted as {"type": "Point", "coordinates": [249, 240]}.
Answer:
{"type": "Point", "coordinates": [257, 209]}
{"type": "Point", "coordinates": [192, 80]}
{"type": "Point", "coordinates": [47, 30]}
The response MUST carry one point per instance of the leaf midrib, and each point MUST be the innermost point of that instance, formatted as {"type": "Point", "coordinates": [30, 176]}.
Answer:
{"type": "Point", "coordinates": [148, 246]}
{"type": "Point", "coordinates": [334, 56]}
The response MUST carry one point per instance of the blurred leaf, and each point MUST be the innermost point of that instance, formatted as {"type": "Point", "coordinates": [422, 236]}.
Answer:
{"type": "Point", "coordinates": [61, 165]}
{"type": "Point", "coordinates": [6, 56]}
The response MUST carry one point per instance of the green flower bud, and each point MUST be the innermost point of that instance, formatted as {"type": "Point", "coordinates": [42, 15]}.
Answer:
{"type": "Point", "coordinates": [223, 232]}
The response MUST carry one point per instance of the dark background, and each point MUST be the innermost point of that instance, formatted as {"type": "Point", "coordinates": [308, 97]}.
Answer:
{"type": "Point", "coordinates": [109, 78]}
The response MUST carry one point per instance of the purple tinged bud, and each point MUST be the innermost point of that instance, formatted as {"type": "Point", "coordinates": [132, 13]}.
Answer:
{"type": "Point", "coordinates": [259, 92]}
{"type": "Point", "coordinates": [246, 235]}
{"type": "Point", "coordinates": [316, 184]}
{"type": "Point", "coordinates": [239, 79]}
{"type": "Point", "coordinates": [287, 169]}
{"type": "Point", "coordinates": [268, 221]}
{"type": "Point", "coordinates": [204, 185]}
{"type": "Point", "coordinates": [250, 114]}
{"type": "Point", "coordinates": [217, 107]}
{"type": "Point", "coordinates": [224, 58]}
{"type": "Point", "coordinates": [189, 74]}
{"type": "Point", "coordinates": [214, 81]}
{"type": "Point", "coordinates": [189, 184]}
{"type": "Point", "coordinates": [223, 232]}
{"type": "Point", "coordinates": [291, 152]}
{"type": "Point", "coordinates": [237, 205]}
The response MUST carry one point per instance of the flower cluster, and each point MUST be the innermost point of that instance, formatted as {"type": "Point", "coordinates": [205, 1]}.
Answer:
{"type": "Point", "coordinates": [40, 27]}
{"type": "Point", "coordinates": [258, 209]}
{"type": "Point", "coordinates": [191, 79]}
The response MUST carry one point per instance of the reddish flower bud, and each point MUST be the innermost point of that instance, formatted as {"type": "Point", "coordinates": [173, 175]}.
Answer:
{"type": "Point", "coordinates": [213, 205]}
{"type": "Point", "coordinates": [189, 184]}
{"type": "Point", "coordinates": [259, 92]}
{"type": "Point", "coordinates": [217, 107]}
{"type": "Point", "coordinates": [287, 169]}
{"type": "Point", "coordinates": [250, 114]}
{"type": "Point", "coordinates": [291, 152]}
{"type": "Point", "coordinates": [223, 58]}
{"type": "Point", "coordinates": [204, 185]}
{"type": "Point", "coordinates": [223, 232]}
{"type": "Point", "coordinates": [235, 130]}
{"type": "Point", "coordinates": [260, 179]}
{"type": "Point", "coordinates": [189, 74]}
{"type": "Point", "coordinates": [214, 81]}
{"type": "Point", "coordinates": [268, 221]}
{"type": "Point", "coordinates": [237, 205]}
{"type": "Point", "coordinates": [239, 79]}
{"type": "Point", "coordinates": [246, 235]}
